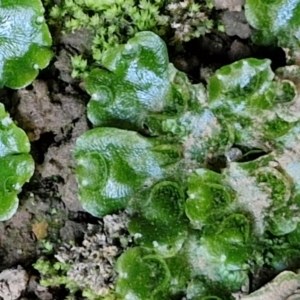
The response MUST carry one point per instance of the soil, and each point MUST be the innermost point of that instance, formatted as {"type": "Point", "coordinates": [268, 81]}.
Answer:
{"type": "Point", "coordinates": [52, 111]}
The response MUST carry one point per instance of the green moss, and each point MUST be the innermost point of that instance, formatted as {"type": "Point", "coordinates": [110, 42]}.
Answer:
{"type": "Point", "coordinates": [112, 23]}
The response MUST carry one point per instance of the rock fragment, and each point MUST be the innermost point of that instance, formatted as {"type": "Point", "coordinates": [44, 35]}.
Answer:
{"type": "Point", "coordinates": [12, 283]}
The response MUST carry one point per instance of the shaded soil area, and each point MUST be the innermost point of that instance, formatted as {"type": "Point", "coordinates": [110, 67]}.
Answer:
{"type": "Point", "coordinates": [52, 111]}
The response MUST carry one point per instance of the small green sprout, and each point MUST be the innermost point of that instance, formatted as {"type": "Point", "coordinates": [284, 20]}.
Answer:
{"type": "Point", "coordinates": [79, 67]}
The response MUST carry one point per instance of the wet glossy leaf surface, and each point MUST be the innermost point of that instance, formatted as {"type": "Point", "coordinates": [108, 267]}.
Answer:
{"type": "Point", "coordinates": [245, 94]}
{"type": "Point", "coordinates": [24, 42]}
{"type": "Point", "coordinates": [160, 222]}
{"type": "Point", "coordinates": [135, 84]}
{"type": "Point", "coordinates": [112, 164]}
{"type": "Point", "coordinates": [142, 275]}
{"type": "Point", "coordinates": [16, 165]}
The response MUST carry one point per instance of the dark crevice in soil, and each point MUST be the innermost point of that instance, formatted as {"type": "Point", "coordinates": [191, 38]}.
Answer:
{"type": "Point", "coordinates": [83, 217]}
{"type": "Point", "coordinates": [275, 54]}
{"type": "Point", "coordinates": [43, 187]}
{"type": "Point", "coordinates": [40, 147]}
{"type": "Point", "coordinates": [261, 277]}
{"type": "Point", "coordinates": [216, 163]}
{"type": "Point", "coordinates": [217, 50]}
{"type": "Point", "coordinates": [252, 155]}
{"type": "Point", "coordinates": [7, 98]}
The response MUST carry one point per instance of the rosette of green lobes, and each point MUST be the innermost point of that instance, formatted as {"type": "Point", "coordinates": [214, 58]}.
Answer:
{"type": "Point", "coordinates": [208, 198]}
{"type": "Point", "coordinates": [276, 21]}
{"type": "Point", "coordinates": [135, 84]}
{"type": "Point", "coordinates": [24, 42]}
{"type": "Point", "coordinates": [159, 221]}
{"type": "Point", "coordinates": [113, 164]}
{"type": "Point", "coordinates": [16, 165]}
{"type": "Point", "coordinates": [142, 274]}
{"type": "Point", "coordinates": [246, 96]}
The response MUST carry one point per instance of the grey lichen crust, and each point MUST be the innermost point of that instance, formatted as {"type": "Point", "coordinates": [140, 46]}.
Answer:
{"type": "Point", "coordinates": [92, 263]}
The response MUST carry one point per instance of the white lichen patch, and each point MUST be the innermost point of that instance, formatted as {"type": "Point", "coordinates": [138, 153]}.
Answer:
{"type": "Point", "coordinates": [137, 235]}
{"type": "Point", "coordinates": [249, 195]}
{"type": "Point", "coordinates": [92, 263]}
{"type": "Point", "coordinates": [201, 260]}
{"type": "Point", "coordinates": [202, 131]}
{"type": "Point", "coordinates": [6, 121]}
